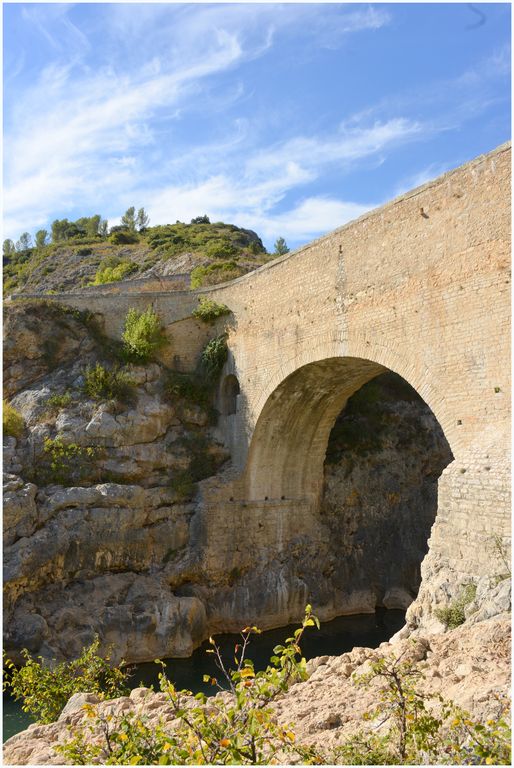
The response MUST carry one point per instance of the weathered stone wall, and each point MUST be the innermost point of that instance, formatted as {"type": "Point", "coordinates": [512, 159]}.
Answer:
{"type": "Point", "coordinates": [421, 287]}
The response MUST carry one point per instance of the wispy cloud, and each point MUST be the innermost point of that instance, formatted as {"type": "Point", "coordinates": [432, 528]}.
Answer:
{"type": "Point", "coordinates": [163, 114]}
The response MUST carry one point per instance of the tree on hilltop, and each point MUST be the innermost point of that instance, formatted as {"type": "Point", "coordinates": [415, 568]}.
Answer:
{"type": "Point", "coordinates": [41, 238]}
{"type": "Point", "coordinates": [128, 219]}
{"type": "Point", "coordinates": [281, 247]}
{"type": "Point", "coordinates": [9, 249]}
{"type": "Point", "coordinates": [142, 220]}
{"type": "Point", "coordinates": [24, 243]}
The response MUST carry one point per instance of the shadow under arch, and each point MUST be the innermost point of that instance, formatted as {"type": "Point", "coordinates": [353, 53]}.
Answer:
{"type": "Point", "coordinates": [288, 446]}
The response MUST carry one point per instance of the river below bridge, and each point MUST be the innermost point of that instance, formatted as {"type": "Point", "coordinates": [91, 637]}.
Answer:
{"type": "Point", "coordinates": [333, 638]}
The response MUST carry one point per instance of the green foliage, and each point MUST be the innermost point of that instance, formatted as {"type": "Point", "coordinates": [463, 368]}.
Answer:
{"type": "Point", "coordinates": [63, 463]}
{"type": "Point", "coordinates": [122, 236]}
{"type": "Point", "coordinates": [500, 550]}
{"type": "Point", "coordinates": [241, 730]}
{"type": "Point", "coordinates": [142, 220]}
{"type": "Point", "coordinates": [209, 310]}
{"type": "Point", "coordinates": [214, 356]}
{"type": "Point", "coordinates": [421, 730]}
{"type": "Point", "coordinates": [142, 335]}
{"type": "Point", "coordinates": [200, 220]}
{"type": "Point", "coordinates": [128, 219]}
{"type": "Point", "coordinates": [189, 387]}
{"type": "Point", "coordinates": [197, 237]}
{"type": "Point", "coordinates": [62, 229]}
{"type": "Point", "coordinates": [220, 249]}
{"type": "Point", "coordinates": [24, 243]}
{"type": "Point", "coordinates": [13, 424]}
{"type": "Point", "coordinates": [454, 614]}
{"type": "Point", "coordinates": [41, 238]}
{"type": "Point", "coordinates": [281, 247]}
{"type": "Point", "coordinates": [9, 249]}
{"type": "Point", "coordinates": [109, 272]}
{"type": "Point", "coordinates": [102, 383]}
{"type": "Point", "coordinates": [58, 401]}
{"type": "Point", "coordinates": [215, 273]}
{"type": "Point", "coordinates": [45, 690]}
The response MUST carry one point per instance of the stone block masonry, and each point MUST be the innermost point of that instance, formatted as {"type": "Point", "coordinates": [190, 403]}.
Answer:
{"type": "Point", "coordinates": [421, 287]}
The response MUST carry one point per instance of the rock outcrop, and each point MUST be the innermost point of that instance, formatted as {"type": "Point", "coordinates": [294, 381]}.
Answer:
{"type": "Point", "coordinates": [469, 666]}
{"type": "Point", "coordinates": [106, 532]}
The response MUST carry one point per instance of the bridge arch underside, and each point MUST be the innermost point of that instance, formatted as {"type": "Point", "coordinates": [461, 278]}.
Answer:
{"type": "Point", "coordinates": [287, 452]}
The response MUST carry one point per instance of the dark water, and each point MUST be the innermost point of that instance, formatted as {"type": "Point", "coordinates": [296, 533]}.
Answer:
{"type": "Point", "coordinates": [334, 637]}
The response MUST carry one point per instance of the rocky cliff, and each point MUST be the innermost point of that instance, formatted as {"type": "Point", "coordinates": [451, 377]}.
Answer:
{"type": "Point", "coordinates": [104, 525]}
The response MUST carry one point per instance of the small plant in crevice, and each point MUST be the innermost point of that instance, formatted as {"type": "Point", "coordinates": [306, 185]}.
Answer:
{"type": "Point", "coordinates": [214, 356]}
{"type": "Point", "coordinates": [189, 387]}
{"type": "Point", "coordinates": [454, 614]}
{"type": "Point", "coordinates": [102, 383]}
{"type": "Point", "coordinates": [499, 548]}
{"type": "Point", "coordinates": [12, 421]}
{"type": "Point", "coordinates": [55, 402]}
{"type": "Point", "coordinates": [64, 463]}
{"type": "Point", "coordinates": [209, 310]}
{"type": "Point", "coordinates": [142, 336]}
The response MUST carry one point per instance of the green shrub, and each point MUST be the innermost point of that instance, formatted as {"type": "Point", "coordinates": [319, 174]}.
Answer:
{"type": "Point", "coordinates": [13, 423]}
{"type": "Point", "coordinates": [215, 273]}
{"type": "Point", "coordinates": [208, 310]}
{"type": "Point", "coordinates": [188, 387]}
{"type": "Point", "coordinates": [123, 238]}
{"type": "Point", "coordinates": [142, 336]}
{"type": "Point", "coordinates": [63, 463]}
{"type": "Point", "coordinates": [242, 730]}
{"type": "Point", "coordinates": [214, 356]}
{"type": "Point", "coordinates": [454, 614]}
{"type": "Point", "coordinates": [220, 249]}
{"type": "Point", "coordinates": [422, 730]}
{"type": "Point", "coordinates": [200, 220]}
{"type": "Point", "coordinates": [58, 401]}
{"type": "Point", "coordinates": [100, 383]}
{"type": "Point", "coordinates": [115, 273]}
{"type": "Point", "coordinates": [406, 727]}
{"type": "Point", "coordinates": [84, 251]}
{"type": "Point", "coordinates": [45, 690]}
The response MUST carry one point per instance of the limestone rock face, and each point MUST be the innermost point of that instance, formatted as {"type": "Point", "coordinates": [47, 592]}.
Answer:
{"type": "Point", "coordinates": [32, 348]}
{"type": "Point", "coordinates": [469, 666]}
{"type": "Point", "coordinates": [108, 533]}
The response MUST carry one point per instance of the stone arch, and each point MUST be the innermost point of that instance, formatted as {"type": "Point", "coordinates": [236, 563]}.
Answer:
{"type": "Point", "coordinates": [230, 390]}
{"type": "Point", "coordinates": [288, 445]}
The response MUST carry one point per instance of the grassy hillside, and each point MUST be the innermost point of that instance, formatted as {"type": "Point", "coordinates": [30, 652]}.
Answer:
{"type": "Point", "coordinates": [210, 253]}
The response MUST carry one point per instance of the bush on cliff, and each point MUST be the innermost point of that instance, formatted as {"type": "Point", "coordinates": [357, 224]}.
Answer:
{"type": "Point", "coordinates": [214, 356]}
{"type": "Point", "coordinates": [109, 272]}
{"type": "Point", "coordinates": [208, 311]}
{"type": "Point", "coordinates": [45, 690]}
{"type": "Point", "coordinates": [12, 421]}
{"type": "Point", "coordinates": [101, 383]}
{"type": "Point", "coordinates": [142, 335]}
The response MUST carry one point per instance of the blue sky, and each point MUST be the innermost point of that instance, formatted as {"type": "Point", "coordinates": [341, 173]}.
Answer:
{"type": "Point", "coordinates": [289, 119]}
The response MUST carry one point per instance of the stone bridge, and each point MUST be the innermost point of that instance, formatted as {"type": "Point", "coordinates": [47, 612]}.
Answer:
{"type": "Point", "coordinates": [420, 287]}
